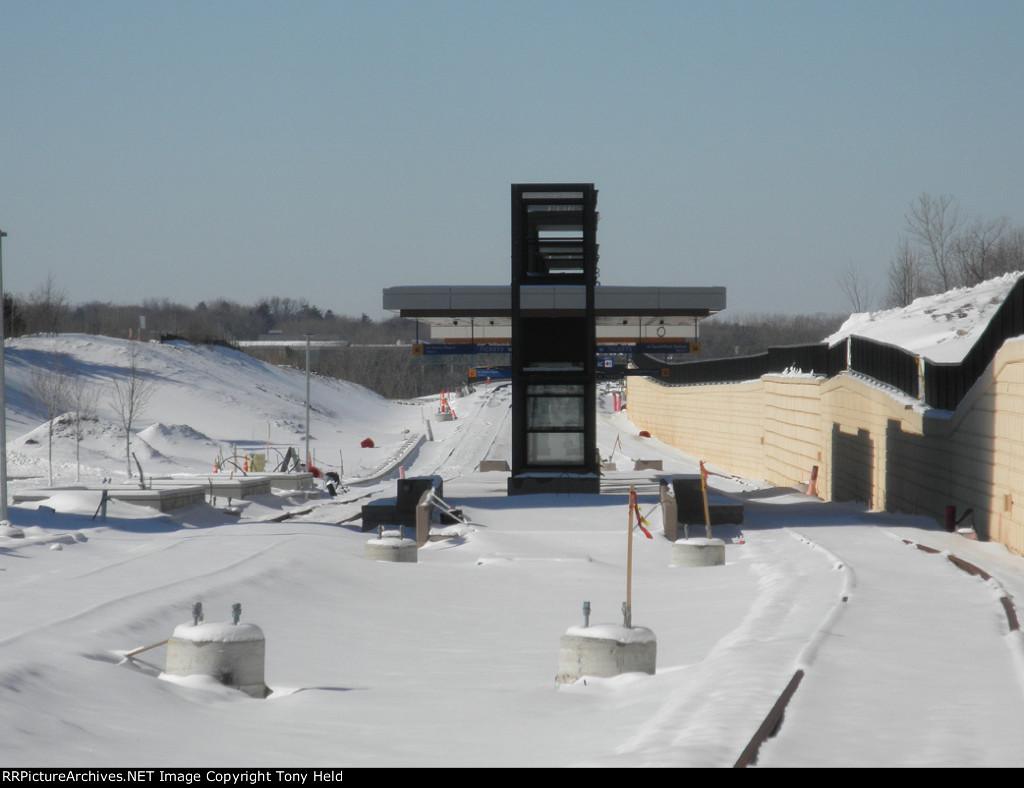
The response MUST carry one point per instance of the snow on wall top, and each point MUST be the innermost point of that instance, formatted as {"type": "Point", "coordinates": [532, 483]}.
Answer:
{"type": "Point", "coordinates": [216, 632]}
{"type": "Point", "coordinates": [941, 328]}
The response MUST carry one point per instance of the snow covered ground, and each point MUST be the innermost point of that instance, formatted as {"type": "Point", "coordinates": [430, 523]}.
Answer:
{"type": "Point", "coordinates": [907, 659]}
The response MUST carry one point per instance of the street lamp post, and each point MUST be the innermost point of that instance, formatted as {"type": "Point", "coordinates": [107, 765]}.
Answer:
{"type": "Point", "coordinates": [3, 394]}
{"type": "Point", "coordinates": [308, 461]}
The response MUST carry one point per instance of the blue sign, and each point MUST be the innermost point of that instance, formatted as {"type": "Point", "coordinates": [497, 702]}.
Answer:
{"type": "Point", "coordinates": [490, 373]}
{"type": "Point", "coordinates": [465, 349]}
{"type": "Point", "coordinates": [651, 347]}
{"type": "Point", "coordinates": [458, 350]}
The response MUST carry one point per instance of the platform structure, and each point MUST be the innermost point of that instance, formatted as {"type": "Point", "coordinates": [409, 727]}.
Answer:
{"type": "Point", "coordinates": [559, 326]}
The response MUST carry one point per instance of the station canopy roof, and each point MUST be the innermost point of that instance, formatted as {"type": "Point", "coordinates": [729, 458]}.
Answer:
{"type": "Point", "coordinates": [613, 305]}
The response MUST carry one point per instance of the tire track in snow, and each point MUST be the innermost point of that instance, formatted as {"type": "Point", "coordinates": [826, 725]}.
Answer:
{"type": "Point", "coordinates": [709, 709]}
{"type": "Point", "coordinates": [773, 720]}
{"type": "Point", "coordinates": [893, 677]}
{"type": "Point", "coordinates": [111, 601]}
{"type": "Point", "coordinates": [1014, 637]}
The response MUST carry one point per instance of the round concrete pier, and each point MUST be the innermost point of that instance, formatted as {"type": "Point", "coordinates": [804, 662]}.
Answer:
{"type": "Point", "coordinates": [392, 548]}
{"type": "Point", "coordinates": [233, 654]}
{"type": "Point", "coordinates": [698, 552]}
{"type": "Point", "coordinates": [605, 650]}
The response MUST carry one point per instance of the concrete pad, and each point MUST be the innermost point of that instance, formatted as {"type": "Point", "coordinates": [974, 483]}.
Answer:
{"type": "Point", "coordinates": [698, 552]}
{"type": "Point", "coordinates": [392, 549]}
{"type": "Point", "coordinates": [605, 650]}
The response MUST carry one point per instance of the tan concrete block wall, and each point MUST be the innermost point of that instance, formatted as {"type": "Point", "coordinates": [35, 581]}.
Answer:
{"type": "Point", "coordinates": [987, 458]}
{"type": "Point", "coordinates": [869, 443]}
{"type": "Point", "coordinates": [792, 428]}
{"type": "Point", "coordinates": [723, 424]}
{"type": "Point", "coordinates": [855, 426]}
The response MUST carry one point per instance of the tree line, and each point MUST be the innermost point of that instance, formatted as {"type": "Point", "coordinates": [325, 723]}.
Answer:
{"type": "Point", "coordinates": [941, 248]}
{"type": "Point", "coordinates": [722, 335]}
{"type": "Point", "coordinates": [48, 310]}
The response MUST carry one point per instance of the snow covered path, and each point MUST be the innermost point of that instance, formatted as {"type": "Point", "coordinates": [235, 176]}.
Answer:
{"type": "Point", "coordinates": [484, 421]}
{"type": "Point", "coordinates": [917, 669]}
{"type": "Point", "coordinates": [708, 710]}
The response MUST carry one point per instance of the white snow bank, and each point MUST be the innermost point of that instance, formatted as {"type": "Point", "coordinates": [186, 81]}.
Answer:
{"type": "Point", "coordinates": [171, 434]}
{"type": "Point", "coordinates": [391, 541]}
{"type": "Point", "coordinates": [217, 632]}
{"type": "Point", "coordinates": [614, 632]}
{"type": "Point", "coordinates": [701, 541]}
{"type": "Point", "coordinates": [941, 328]}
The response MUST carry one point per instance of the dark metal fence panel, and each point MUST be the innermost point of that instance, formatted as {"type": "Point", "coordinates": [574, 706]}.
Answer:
{"type": "Point", "coordinates": [885, 363]}
{"type": "Point", "coordinates": [945, 384]}
{"type": "Point", "coordinates": [837, 358]}
{"type": "Point", "coordinates": [806, 358]}
{"type": "Point", "coordinates": [715, 370]}
{"type": "Point", "coordinates": [818, 358]}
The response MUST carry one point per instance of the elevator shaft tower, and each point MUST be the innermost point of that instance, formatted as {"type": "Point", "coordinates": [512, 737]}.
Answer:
{"type": "Point", "coordinates": [553, 359]}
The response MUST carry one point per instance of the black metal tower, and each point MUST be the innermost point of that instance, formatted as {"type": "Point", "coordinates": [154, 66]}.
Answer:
{"type": "Point", "coordinates": [554, 248]}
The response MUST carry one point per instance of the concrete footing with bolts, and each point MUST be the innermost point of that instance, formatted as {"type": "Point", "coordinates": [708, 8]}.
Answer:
{"type": "Point", "coordinates": [605, 650]}
{"type": "Point", "coordinates": [698, 552]}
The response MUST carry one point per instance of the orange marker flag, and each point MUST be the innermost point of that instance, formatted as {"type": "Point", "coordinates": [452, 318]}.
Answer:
{"type": "Point", "coordinates": [640, 521]}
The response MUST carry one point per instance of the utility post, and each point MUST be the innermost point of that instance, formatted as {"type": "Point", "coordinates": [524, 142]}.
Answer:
{"type": "Point", "coordinates": [308, 458]}
{"type": "Point", "coordinates": [3, 392]}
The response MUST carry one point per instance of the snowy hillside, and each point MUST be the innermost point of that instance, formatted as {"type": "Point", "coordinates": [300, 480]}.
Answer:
{"type": "Point", "coordinates": [206, 401]}
{"type": "Point", "coordinates": [905, 659]}
{"type": "Point", "coordinates": [941, 327]}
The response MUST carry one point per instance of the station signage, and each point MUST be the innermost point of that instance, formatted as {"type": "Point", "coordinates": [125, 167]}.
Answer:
{"type": "Point", "coordinates": [465, 349]}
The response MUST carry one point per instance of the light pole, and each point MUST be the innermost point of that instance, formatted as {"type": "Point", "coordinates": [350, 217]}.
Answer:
{"type": "Point", "coordinates": [308, 463]}
{"type": "Point", "coordinates": [3, 393]}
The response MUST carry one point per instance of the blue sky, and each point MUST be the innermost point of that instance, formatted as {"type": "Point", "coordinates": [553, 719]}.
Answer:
{"type": "Point", "coordinates": [326, 150]}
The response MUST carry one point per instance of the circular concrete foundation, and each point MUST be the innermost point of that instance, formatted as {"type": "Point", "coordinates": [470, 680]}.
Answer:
{"type": "Point", "coordinates": [605, 650]}
{"type": "Point", "coordinates": [392, 548]}
{"type": "Point", "coordinates": [698, 552]}
{"type": "Point", "coordinates": [233, 654]}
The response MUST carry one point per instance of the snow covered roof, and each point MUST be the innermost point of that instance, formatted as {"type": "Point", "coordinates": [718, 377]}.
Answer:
{"type": "Point", "coordinates": [941, 328]}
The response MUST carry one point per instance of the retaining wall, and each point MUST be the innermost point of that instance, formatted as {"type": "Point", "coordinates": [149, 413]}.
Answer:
{"type": "Point", "coordinates": [870, 443]}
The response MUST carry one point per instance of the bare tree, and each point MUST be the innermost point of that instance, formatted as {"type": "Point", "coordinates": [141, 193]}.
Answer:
{"type": "Point", "coordinates": [974, 250]}
{"type": "Point", "coordinates": [905, 275]}
{"type": "Point", "coordinates": [934, 223]}
{"type": "Point", "coordinates": [856, 287]}
{"type": "Point", "coordinates": [49, 389]}
{"type": "Point", "coordinates": [129, 396]}
{"type": "Point", "coordinates": [1009, 252]}
{"type": "Point", "coordinates": [47, 308]}
{"type": "Point", "coordinates": [83, 398]}
{"type": "Point", "coordinates": [14, 321]}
